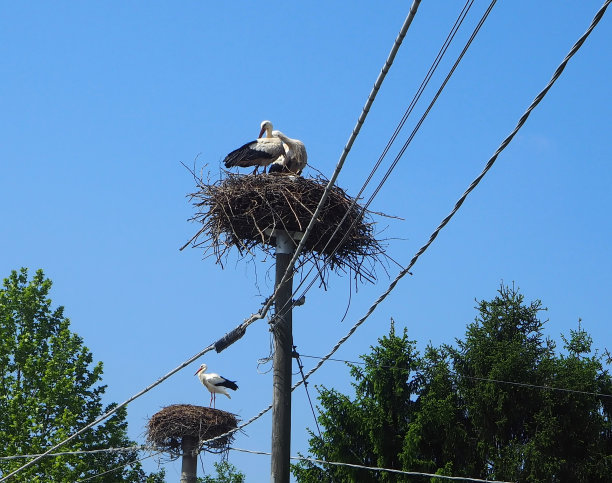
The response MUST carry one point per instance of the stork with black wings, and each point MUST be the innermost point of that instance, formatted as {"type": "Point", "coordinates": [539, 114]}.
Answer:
{"type": "Point", "coordinates": [261, 152]}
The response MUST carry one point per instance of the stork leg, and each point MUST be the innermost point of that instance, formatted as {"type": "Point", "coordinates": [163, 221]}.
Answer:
{"type": "Point", "coordinates": [255, 170]}
{"type": "Point", "coordinates": [211, 399]}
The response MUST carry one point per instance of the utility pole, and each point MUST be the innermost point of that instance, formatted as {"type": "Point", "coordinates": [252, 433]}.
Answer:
{"type": "Point", "coordinates": [189, 466]}
{"type": "Point", "coordinates": [283, 349]}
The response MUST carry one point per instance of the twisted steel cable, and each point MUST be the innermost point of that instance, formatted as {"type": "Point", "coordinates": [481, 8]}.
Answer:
{"type": "Point", "coordinates": [445, 221]}
{"type": "Point", "coordinates": [412, 134]}
{"type": "Point", "coordinates": [471, 187]}
{"type": "Point", "coordinates": [402, 273]}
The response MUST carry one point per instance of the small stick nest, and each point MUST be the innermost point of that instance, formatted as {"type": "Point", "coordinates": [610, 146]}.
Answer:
{"type": "Point", "coordinates": [243, 211]}
{"type": "Point", "coordinates": [167, 428]}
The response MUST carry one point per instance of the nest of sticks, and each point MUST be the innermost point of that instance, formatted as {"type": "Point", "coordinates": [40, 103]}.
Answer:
{"type": "Point", "coordinates": [167, 428]}
{"type": "Point", "coordinates": [243, 211]}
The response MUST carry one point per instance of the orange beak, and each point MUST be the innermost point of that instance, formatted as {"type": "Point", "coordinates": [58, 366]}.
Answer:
{"type": "Point", "coordinates": [263, 130]}
{"type": "Point", "coordinates": [198, 371]}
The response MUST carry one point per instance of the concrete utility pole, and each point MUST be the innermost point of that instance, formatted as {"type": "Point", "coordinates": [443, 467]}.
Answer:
{"type": "Point", "coordinates": [189, 467]}
{"type": "Point", "coordinates": [283, 347]}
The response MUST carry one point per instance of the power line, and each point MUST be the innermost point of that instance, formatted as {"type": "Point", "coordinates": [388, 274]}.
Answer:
{"type": "Point", "coordinates": [299, 361]}
{"type": "Point", "coordinates": [239, 428]}
{"type": "Point", "coordinates": [485, 379]}
{"type": "Point", "coordinates": [126, 449]}
{"type": "Point", "coordinates": [110, 412]}
{"type": "Point", "coordinates": [242, 327]}
{"type": "Point", "coordinates": [433, 101]}
{"type": "Point", "coordinates": [458, 204]}
{"type": "Point", "coordinates": [262, 313]}
{"type": "Point", "coordinates": [417, 96]}
{"type": "Point", "coordinates": [473, 185]}
{"type": "Point", "coordinates": [372, 468]}
{"type": "Point", "coordinates": [118, 467]}
{"type": "Point", "coordinates": [366, 109]}
{"type": "Point", "coordinates": [410, 138]}
{"type": "Point", "coordinates": [377, 84]}
{"type": "Point", "coordinates": [400, 125]}
{"type": "Point", "coordinates": [550, 388]}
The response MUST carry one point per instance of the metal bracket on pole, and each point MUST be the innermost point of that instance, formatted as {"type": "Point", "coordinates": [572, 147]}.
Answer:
{"type": "Point", "coordinates": [284, 240]}
{"type": "Point", "coordinates": [284, 243]}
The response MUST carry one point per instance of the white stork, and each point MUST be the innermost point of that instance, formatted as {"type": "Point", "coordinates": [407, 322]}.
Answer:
{"type": "Point", "coordinates": [261, 152]}
{"type": "Point", "coordinates": [215, 383]}
{"type": "Point", "coordinates": [295, 157]}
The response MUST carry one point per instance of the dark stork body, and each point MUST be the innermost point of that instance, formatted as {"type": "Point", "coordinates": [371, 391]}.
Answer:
{"type": "Point", "coordinates": [261, 152]}
{"type": "Point", "coordinates": [215, 383]}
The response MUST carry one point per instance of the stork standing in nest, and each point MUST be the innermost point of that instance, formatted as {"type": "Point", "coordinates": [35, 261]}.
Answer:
{"type": "Point", "coordinates": [261, 152]}
{"type": "Point", "coordinates": [295, 158]}
{"type": "Point", "coordinates": [215, 383]}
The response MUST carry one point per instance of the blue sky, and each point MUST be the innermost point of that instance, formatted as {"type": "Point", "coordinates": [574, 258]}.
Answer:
{"type": "Point", "coordinates": [102, 102]}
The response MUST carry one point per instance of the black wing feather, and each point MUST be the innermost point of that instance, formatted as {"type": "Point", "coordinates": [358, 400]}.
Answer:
{"type": "Point", "coordinates": [246, 156]}
{"type": "Point", "coordinates": [229, 384]}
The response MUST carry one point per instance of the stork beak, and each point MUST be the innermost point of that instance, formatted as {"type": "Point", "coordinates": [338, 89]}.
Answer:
{"type": "Point", "coordinates": [263, 130]}
{"type": "Point", "coordinates": [198, 371]}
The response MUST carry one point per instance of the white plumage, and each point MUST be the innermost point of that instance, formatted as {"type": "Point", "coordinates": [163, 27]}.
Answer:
{"type": "Point", "coordinates": [295, 158]}
{"type": "Point", "coordinates": [215, 383]}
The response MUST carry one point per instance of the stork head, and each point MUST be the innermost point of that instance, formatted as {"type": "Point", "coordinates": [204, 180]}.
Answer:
{"type": "Point", "coordinates": [278, 134]}
{"type": "Point", "coordinates": [266, 127]}
{"type": "Point", "coordinates": [202, 368]}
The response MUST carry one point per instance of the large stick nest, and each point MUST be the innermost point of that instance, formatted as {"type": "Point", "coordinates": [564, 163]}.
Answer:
{"type": "Point", "coordinates": [167, 428]}
{"type": "Point", "coordinates": [243, 211]}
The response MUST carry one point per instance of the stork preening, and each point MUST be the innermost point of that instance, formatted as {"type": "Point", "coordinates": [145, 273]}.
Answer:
{"type": "Point", "coordinates": [295, 158]}
{"type": "Point", "coordinates": [261, 152]}
{"type": "Point", "coordinates": [215, 384]}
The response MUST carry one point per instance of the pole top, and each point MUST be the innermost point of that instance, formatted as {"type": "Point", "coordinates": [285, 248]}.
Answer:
{"type": "Point", "coordinates": [285, 240]}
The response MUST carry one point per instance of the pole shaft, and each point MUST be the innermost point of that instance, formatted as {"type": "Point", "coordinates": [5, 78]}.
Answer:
{"type": "Point", "coordinates": [283, 348]}
{"type": "Point", "coordinates": [189, 467]}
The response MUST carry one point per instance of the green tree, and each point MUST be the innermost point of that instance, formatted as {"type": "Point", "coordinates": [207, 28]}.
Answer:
{"type": "Point", "coordinates": [49, 388]}
{"type": "Point", "coordinates": [226, 473]}
{"type": "Point", "coordinates": [482, 408]}
{"type": "Point", "coordinates": [527, 433]}
{"type": "Point", "coordinates": [439, 436]}
{"type": "Point", "coordinates": [579, 440]}
{"type": "Point", "coordinates": [369, 429]}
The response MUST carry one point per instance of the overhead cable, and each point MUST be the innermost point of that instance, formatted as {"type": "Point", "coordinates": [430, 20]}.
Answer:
{"type": "Point", "coordinates": [410, 138]}
{"type": "Point", "coordinates": [79, 452]}
{"type": "Point", "coordinates": [444, 222]}
{"type": "Point", "coordinates": [473, 185]}
{"type": "Point", "coordinates": [413, 102]}
{"type": "Point", "coordinates": [118, 467]}
{"type": "Point", "coordinates": [484, 379]}
{"type": "Point", "coordinates": [373, 468]}
{"type": "Point", "coordinates": [381, 76]}
{"type": "Point", "coordinates": [109, 413]}
{"type": "Point", "coordinates": [296, 355]}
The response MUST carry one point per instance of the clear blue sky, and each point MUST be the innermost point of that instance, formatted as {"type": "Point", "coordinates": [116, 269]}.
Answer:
{"type": "Point", "coordinates": [102, 102]}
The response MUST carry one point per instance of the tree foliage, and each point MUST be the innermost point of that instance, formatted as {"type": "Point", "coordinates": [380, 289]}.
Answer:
{"type": "Point", "coordinates": [481, 408]}
{"type": "Point", "coordinates": [370, 429]}
{"type": "Point", "coordinates": [226, 473]}
{"type": "Point", "coordinates": [49, 389]}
